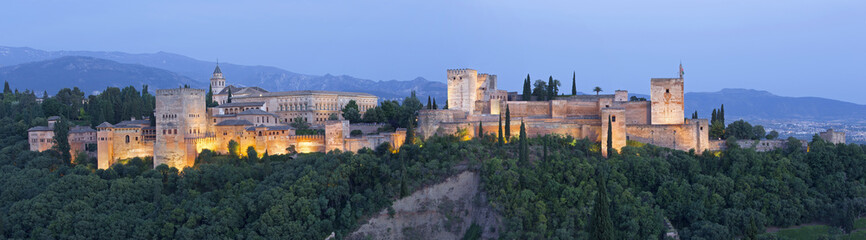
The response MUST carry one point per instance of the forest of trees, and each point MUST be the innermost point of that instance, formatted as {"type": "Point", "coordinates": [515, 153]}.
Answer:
{"type": "Point", "coordinates": [544, 187]}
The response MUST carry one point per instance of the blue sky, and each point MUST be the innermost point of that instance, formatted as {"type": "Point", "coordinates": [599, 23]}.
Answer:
{"type": "Point", "coordinates": [791, 48]}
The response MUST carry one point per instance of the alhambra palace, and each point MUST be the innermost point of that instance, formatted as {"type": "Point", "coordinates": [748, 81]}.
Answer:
{"type": "Point", "coordinates": [261, 119]}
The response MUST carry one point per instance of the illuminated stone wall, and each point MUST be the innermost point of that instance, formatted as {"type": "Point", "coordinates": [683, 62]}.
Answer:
{"type": "Point", "coordinates": [667, 101]}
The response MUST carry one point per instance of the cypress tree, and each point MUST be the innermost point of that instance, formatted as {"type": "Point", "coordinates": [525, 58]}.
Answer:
{"type": "Point", "coordinates": [8, 90]}
{"type": "Point", "coordinates": [527, 89]}
{"type": "Point", "coordinates": [434, 104]}
{"type": "Point", "coordinates": [61, 140]}
{"type": "Point", "coordinates": [574, 83]}
{"type": "Point", "coordinates": [550, 89]}
{"type": "Point", "coordinates": [229, 100]}
{"type": "Point", "coordinates": [609, 137]}
{"type": "Point", "coordinates": [507, 123]}
{"type": "Point", "coordinates": [208, 98]}
{"type": "Point", "coordinates": [722, 114]}
{"type": "Point", "coordinates": [501, 138]}
{"type": "Point", "coordinates": [480, 130]}
{"type": "Point", "coordinates": [446, 105]}
{"type": "Point", "coordinates": [601, 225]}
{"type": "Point", "coordinates": [410, 134]}
{"type": "Point", "coordinates": [544, 142]}
{"type": "Point", "coordinates": [429, 103]}
{"type": "Point", "coordinates": [524, 149]}
{"type": "Point", "coordinates": [713, 119]}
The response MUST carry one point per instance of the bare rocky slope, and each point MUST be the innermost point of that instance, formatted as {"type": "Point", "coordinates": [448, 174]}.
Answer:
{"type": "Point", "coordinates": [442, 211]}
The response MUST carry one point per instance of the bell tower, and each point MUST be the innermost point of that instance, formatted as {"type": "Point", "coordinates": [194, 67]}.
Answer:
{"type": "Point", "coordinates": [217, 81]}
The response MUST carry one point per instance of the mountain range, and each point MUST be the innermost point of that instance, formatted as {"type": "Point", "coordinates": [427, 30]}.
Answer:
{"type": "Point", "coordinates": [270, 78]}
{"type": "Point", "coordinates": [27, 68]}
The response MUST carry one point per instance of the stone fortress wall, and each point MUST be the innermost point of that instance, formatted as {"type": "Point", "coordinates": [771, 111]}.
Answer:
{"type": "Point", "coordinates": [255, 118]}
{"type": "Point", "coordinates": [659, 121]}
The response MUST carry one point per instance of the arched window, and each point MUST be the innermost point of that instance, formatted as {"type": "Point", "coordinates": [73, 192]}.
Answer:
{"type": "Point", "coordinates": [127, 138]}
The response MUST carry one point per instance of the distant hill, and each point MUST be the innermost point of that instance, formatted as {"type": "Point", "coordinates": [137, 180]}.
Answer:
{"type": "Point", "coordinates": [269, 78]}
{"type": "Point", "coordinates": [89, 74]}
{"type": "Point", "coordinates": [756, 104]}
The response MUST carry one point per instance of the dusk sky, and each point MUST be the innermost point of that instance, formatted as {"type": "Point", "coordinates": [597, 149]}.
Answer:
{"type": "Point", "coordinates": [790, 48]}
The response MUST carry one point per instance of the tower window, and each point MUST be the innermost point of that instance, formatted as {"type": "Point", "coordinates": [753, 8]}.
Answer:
{"type": "Point", "coordinates": [667, 91]}
{"type": "Point", "coordinates": [613, 118]}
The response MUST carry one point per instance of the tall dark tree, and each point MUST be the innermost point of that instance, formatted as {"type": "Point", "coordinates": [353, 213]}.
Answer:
{"type": "Point", "coordinates": [480, 130]}
{"type": "Point", "coordinates": [551, 92]}
{"type": "Point", "coordinates": [544, 144]}
{"type": "Point", "coordinates": [524, 146]}
{"type": "Point", "coordinates": [499, 136]}
{"type": "Point", "coordinates": [429, 103]}
{"type": "Point", "coordinates": [446, 105]}
{"type": "Point", "coordinates": [7, 90]}
{"type": "Point", "coordinates": [229, 98]}
{"type": "Point", "coordinates": [410, 134]}
{"type": "Point", "coordinates": [507, 123]}
{"type": "Point", "coordinates": [209, 98]}
{"type": "Point", "coordinates": [601, 225]}
{"type": "Point", "coordinates": [61, 139]}
{"type": "Point", "coordinates": [527, 89]}
{"type": "Point", "coordinates": [574, 83]}
{"type": "Point", "coordinates": [435, 106]}
{"type": "Point", "coordinates": [609, 137]}
{"type": "Point", "coordinates": [722, 114]}
{"type": "Point", "coordinates": [714, 116]}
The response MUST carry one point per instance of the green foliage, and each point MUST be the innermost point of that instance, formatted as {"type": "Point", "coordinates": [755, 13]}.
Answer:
{"type": "Point", "coordinates": [597, 90]}
{"type": "Point", "coordinates": [473, 233]}
{"type": "Point", "coordinates": [234, 148]}
{"type": "Point", "coordinates": [356, 133]}
{"type": "Point", "coordinates": [61, 140]}
{"type": "Point", "coordinates": [540, 90]}
{"type": "Point", "coordinates": [552, 88]}
{"type": "Point", "coordinates": [772, 135]}
{"type": "Point", "coordinates": [574, 83]}
{"type": "Point", "coordinates": [351, 112]}
{"type": "Point", "coordinates": [600, 224]}
{"type": "Point", "coordinates": [222, 197]}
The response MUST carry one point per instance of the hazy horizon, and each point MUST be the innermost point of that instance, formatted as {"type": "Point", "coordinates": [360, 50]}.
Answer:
{"type": "Point", "coordinates": [797, 48]}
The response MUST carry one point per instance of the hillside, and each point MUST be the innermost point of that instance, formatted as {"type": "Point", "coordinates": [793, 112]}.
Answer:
{"type": "Point", "coordinates": [270, 78]}
{"type": "Point", "coordinates": [89, 74]}
{"type": "Point", "coordinates": [756, 104]}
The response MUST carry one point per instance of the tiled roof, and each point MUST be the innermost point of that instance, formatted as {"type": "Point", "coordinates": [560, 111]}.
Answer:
{"type": "Point", "coordinates": [271, 128]}
{"type": "Point", "coordinates": [241, 104]}
{"type": "Point", "coordinates": [81, 129]}
{"type": "Point", "coordinates": [307, 92]}
{"type": "Point", "coordinates": [241, 90]}
{"type": "Point", "coordinates": [234, 122]}
{"type": "Point", "coordinates": [39, 128]}
{"type": "Point", "coordinates": [54, 118]}
{"type": "Point", "coordinates": [105, 125]}
{"type": "Point", "coordinates": [256, 112]}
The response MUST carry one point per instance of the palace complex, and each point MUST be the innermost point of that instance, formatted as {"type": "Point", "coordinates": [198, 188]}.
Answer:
{"type": "Point", "coordinates": [254, 117]}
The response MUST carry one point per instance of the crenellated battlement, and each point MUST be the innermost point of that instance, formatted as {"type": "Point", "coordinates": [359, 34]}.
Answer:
{"type": "Point", "coordinates": [461, 71]}
{"type": "Point", "coordinates": [178, 91]}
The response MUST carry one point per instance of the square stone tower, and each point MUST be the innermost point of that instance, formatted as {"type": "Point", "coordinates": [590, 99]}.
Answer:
{"type": "Point", "coordinates": [667, 101]}
{"type": "Point", "coordinates": [616, 117]}
{"type": "Point", "coordinates": [462, 89]}
{"type": "Point", "coordinates": [180, 116]}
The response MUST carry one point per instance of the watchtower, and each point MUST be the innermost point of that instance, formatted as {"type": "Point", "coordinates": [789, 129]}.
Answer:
{"type": "Point", "coordinates": [462, 89]}
{"type": "Point", "coordinates": [180, 115]}
{"type": "Point", "coordinates": [667, 101]}
{"type": "Point", "coordinates": [217, 81]}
